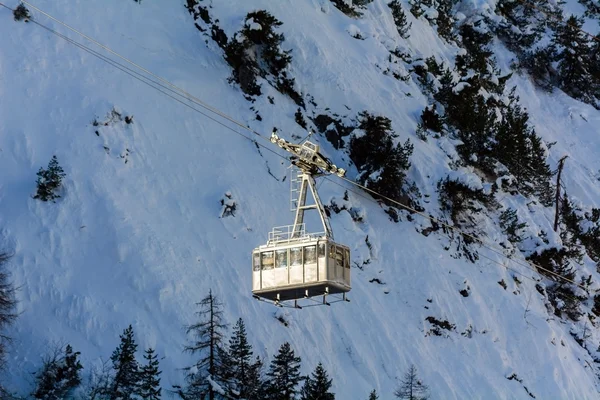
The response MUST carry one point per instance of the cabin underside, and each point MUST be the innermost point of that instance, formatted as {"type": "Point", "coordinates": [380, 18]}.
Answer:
{"type": "Point", "coordinates": [293, 292]}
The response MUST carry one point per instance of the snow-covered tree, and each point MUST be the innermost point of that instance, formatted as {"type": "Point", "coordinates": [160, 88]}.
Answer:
{"type": "Point", "coordinates": [411, 387]}
{"type": "Point", "coordinates": [373, 395]}
{"type": "Point", "coordinates": [126, 368]}
{"type": "Point", "coordinates": [519, 148]}
{"type": "Point", "coordinates": [59, 376]}
{"type": "Point", "coordinates": [317, 386]}
{"type": "Point", "coordinates": [245, 372]}
{"type": "Point", "coordinates": [8, 304]}
{"type": "Point", "coordinates": [572, 52]}
{"type": "Point", "coordinates": [49, 181]}
{"type": "Point", "coordinates": [402, 25]}
{"type": "Point", "coordinates": [149, 388]}
{"type": "Point", "coordinates": [284, 374]}
{"type": "Point", "coordinates": [382, 165]}
{"type": "Point", "coordinates": [205, 375]}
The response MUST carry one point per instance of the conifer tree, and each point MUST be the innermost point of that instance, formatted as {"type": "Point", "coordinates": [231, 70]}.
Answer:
{"type": "Point", "coordinates": [208, 345]}
{"type": "Point", "coordinates": [150, 377]}
{"type": "Point", "coordinates": [126, 369]}
{"type": "Point", "coordinates": [572, 51]}
{"type": "Point", "coordinates": [445, 19]}
{"type": "Point", "coordinates": [417, 6]}
{"type": "Point", "coordinates": [518, 29]}
{"type": "Point", "coordinates": [411, 387]}
{"type": "Point", "coordinates": [381, 164]}
{"type": "Point", "coordinates": [59, 376]}
{"type": "Point", "coordinates": [245, 373]}
{"type": "Point", "coordinates": [284, 374]}
{"type": "Point", "coordinates": [317, 387]}
{"type": "Point", "coordinates": [373, 395]}
{"type": "Point", "coordinates": [49, 181]}
{"type": "Point", "coordinates": [478, 55]}
{"type": "Point", "coordinates": [402, 25]}
{"type": "Point", "coordinates": [8, 303]}
{"type": "Point", "coordinates": [519, 148]}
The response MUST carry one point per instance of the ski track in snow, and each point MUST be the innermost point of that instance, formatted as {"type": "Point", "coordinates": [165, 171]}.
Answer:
{"type": "Point", "coordinates": [141, 242]}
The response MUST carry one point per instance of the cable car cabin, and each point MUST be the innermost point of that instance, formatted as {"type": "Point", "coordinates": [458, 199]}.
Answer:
{"type": "Point", "coordinates": [295, 266]}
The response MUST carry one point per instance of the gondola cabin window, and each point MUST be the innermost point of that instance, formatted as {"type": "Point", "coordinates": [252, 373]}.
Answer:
{"type": "Point", "coordinates": [267, 260]}
{"type": "Point", "coordinates": [256, 262]}
{"type": "Point", "coordinates": [296, 256]}
{"type": "Point", "coordinates": [310, 254]}
{"type": "Point", "coordinates": [281, 259]}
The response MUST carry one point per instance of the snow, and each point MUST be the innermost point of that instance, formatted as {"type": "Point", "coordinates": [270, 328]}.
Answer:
{"type": "Point", "coordinates": [140, 242]}
{"type": "Point", "coordinates": [460, 87]}
{"type": "Point", "coordinates": [253, 25]}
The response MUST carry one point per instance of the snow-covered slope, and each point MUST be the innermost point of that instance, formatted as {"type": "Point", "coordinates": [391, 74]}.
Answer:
{"type": "Point", "coordinates": [137, 236]}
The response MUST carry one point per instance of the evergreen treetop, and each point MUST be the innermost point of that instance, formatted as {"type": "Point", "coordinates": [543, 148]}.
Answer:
{"type": "Point", "coordinates": [317, 386]}
{"type": "Point", "coordinates": [59, 376]}
{"type": "Point", "coordinates": [245, 372]}
{"type": "Point", "coordinates": [208, 344]}
{"type": "Point", "coordinates": [402, 25]}
{"type": "Point", "coordinates": [126, 369]}
{"type": "Point", "coordinates": [49, 181]}
{"type": "Point", "coordinates": [411, 387]}
{"type": "Point", "coordinates": [149, 388]}
{"type": "Point", "coordinates": [381, 164]}
{"type": "Point", "coordinates": [284, 374]}
{"type": "Point", "coordinates": [572, 51]}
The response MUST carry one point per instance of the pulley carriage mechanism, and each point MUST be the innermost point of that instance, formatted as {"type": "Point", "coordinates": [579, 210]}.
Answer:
{"type": "Point", "coordinates": [295, 264]}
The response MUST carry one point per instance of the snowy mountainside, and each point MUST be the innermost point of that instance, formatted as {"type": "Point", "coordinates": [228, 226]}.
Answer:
{"type": "Point", "coordinates": [137, 236]}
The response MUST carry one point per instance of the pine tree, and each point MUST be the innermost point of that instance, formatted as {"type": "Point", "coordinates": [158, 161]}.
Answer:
{"type": "Point", "coordinates": [411, 387]}
{"type": "Point", "coordinates": [373, 395]}
{"type": "Point", "coordinates": [519, 148]}
{"type": "Point", "coordinates": [572, 51]}
{"type": "Point", "coordinates": [150, 377]}
{"type": "Point", "coordinates": [381, 164]}
{"type": "Point", "coordinates": [478, 55]}
{"type": "Point", "coordinates": [417, 6]}
{"type": "Point", "coordinates": [402, 25]}
{"type": "Point", "coordinates": [208, 344]}
{"type": "Point", "coordinates": [245, 373]}
{"type": "Point", "coordinates": [284, 374]}
{"type": "Point", "coordinates": [59, 376]}
{"type": "Point", "coordinates": [445, 19]}
{"type": "Point", "coordinates": [127, 374]}
{"type": "Point", "coordinates": [49, 181]}
{"type": "Point", "coordinates": [317, 387]}
{"type": "Point", "coordinates": [8, 303]}
{"type": "Point", "coordinates": [509, 222]}
{"type": "Point", "coordinates": [518, 29]}
{"type": "Point", "coordinates": [472, 120]}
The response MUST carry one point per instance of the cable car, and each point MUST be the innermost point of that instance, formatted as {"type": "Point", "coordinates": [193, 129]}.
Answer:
{"type": "Point", "coordinates": [294, 264]}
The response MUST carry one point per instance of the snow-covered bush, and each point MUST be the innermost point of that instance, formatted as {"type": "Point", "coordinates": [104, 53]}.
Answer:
{"type": "Point", "coordinates": [348, 8]}
{"type": "Point", "coordinates": [430, 120]}
{"type": "Point", "coordinates": [255, 51]}
{"type": "Point", "coordinates": [463, 201]}
{"type": "Point", "coordinates": [21, 13]}
{"type": "Point", "coordinates": [228, 206]}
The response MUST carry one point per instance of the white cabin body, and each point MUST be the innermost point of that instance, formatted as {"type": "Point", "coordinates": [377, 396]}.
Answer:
{"type": "Point", "coordinates": [299, 268]}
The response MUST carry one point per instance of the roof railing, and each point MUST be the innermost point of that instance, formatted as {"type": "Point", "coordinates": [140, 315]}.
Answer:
{"type": "Point", "coordinates": [285, 234]}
